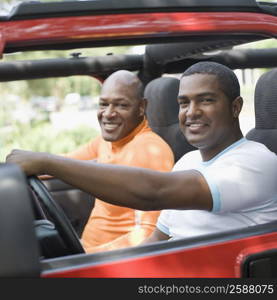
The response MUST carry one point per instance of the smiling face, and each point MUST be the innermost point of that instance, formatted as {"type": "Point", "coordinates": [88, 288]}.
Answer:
{"type": "Point", "coordinates": [207, 118]}
{"type": "Point", "coordinates": [121, 108]}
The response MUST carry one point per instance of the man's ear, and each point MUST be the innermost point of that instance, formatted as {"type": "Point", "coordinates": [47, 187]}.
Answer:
{"type": "Point", "coordinates": [142, 107]}
{"type": "Point", "coordinates": [237, 106]}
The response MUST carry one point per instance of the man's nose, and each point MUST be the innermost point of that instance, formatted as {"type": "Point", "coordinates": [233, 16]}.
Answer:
{"type": "Point", "coordinates": [192, 110]}
{"type": "Point", "coordinates": [109, 111]}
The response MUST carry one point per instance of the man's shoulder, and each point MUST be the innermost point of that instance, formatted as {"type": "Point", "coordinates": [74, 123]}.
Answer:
{"type": "Point", "coordinates": [149, 137]}
{"type": "Point", "coordinates": [249, 153]}
{"type": "Point", "coordinates": [151, 144]}
{"type": "Point", "coordinates": [193, 155]}
{"type": "Point", "coordinates": [254, 148]}
{"type": "Point", "coordinates": [96, 140]}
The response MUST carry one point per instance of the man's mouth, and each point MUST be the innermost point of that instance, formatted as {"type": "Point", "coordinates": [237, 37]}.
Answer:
{"type": "Point", "coordinates": [195, 127]}
{"type": "Point", "coordinates": [110, 126]}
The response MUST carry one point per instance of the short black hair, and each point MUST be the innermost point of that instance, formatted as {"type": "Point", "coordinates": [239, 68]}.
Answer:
{"type": "Point", "coordinates": [226, 77]}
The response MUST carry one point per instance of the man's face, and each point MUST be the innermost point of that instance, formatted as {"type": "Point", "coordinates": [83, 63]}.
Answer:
{"type": "Point", "coordinates": [119, 110]}
{"type": "Point", "coordinates": [206, 115]}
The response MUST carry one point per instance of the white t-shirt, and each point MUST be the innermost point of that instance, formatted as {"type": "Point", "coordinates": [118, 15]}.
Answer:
{"type": "Point", "coordinates": [243, 183]}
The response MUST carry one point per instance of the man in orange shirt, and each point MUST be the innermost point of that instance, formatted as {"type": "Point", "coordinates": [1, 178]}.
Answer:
{"type": "Point", "coordinates": [126, 140]}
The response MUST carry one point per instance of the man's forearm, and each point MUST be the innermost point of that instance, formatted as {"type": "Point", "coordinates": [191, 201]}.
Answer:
{"type": "Point", "coordinates": [103, 181]}
{"type": "Point", "coordinates": [137, 188]}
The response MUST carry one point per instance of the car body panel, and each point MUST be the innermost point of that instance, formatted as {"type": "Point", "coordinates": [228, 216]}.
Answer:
{"type": "Point", "coordinates": [27, 33]}
{"type": "Point", "coordinates": [220, 255]}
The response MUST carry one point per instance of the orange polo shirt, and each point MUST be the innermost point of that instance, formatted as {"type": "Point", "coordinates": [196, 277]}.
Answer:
{"type": "Point", "coordinates": [109, 226]}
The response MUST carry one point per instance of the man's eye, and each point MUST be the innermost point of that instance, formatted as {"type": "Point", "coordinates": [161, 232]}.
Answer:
{"type": "Point", "coordinates": [207, 100]}
{"type": "Point", "coordinates": [123, 105]}
{"type": "Point", "coordinates": [183, 103]}
{"type": "Point", "coordinates": [102, 104]}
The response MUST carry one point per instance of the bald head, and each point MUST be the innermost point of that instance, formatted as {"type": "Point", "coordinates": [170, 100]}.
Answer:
{"type": "Point", "coordinates": [124, 79]}
{"type": "Point", "coordinates": [121, 105]}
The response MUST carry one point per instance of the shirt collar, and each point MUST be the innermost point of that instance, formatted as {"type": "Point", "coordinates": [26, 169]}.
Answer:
{"type": "Point", "coordinates": [140, 128]}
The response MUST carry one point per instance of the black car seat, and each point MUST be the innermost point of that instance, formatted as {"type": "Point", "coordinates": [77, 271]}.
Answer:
{"type": "Point", "coordinates": [162, 113]}
{"type": "Point", "coordinates": [265, 97]}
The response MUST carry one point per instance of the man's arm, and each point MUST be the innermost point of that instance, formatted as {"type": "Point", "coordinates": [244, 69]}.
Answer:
{"type": "Point", "coordinates": [84, 152]}
{"type": "Point", "coordinates": [136, 237]}
{"type": "Point", "coordinates": [140, 234]}
{"type": "Point", "coordinates": [156, 236]}
{"type": "Point", "coordinates": [136, 188]}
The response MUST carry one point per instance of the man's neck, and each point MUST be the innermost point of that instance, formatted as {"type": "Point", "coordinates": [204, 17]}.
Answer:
{"type": "Point", "coordinates": [209, 153]}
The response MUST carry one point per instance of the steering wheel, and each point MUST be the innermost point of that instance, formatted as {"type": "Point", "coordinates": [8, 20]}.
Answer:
{"type": "Point", "coordinates": [62, 223]}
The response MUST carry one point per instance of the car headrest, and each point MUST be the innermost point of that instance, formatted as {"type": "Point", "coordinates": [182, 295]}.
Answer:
{"type": "Point", "coordinates": [162, 113]}
{"type": "Point", "coordinates": [162, 109]}
{"type": "Point", "coordinates": [265, 130]}
{"type": "Point", "coordinates": [266, 101]}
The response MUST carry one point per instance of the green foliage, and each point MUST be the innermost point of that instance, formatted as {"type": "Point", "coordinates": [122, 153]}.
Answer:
{"type": "Point", "coordinates": [42, 137]}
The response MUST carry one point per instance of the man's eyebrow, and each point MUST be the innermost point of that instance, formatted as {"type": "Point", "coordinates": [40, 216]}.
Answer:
{"type": "Point", "coordinates": [206, 94]}
{"type": "Point", "coordinates": [183, 97]}
{"type": "Point", "coordinates": [115, 99]}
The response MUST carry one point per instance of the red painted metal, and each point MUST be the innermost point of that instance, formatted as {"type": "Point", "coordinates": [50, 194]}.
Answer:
{"type": "Point", "coordinates": [220, 260]}
{"type": "Point", "coordinates": [250, 251]}
{"type": "Point", "coordinates": [82, 28]}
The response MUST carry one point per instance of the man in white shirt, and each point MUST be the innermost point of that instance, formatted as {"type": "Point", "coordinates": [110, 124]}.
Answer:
{"type": "Point", "coordinates": [228, 183]}
{"type": "Point", "coordinates": [241, 180]}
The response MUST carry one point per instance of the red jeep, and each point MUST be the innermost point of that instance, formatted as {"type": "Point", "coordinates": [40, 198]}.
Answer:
{"type": "Point", "coordinates": [41, 238]}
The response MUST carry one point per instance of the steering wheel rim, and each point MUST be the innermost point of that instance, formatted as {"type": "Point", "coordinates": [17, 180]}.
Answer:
{"type": "Point", "coordinates": [62, 223]}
